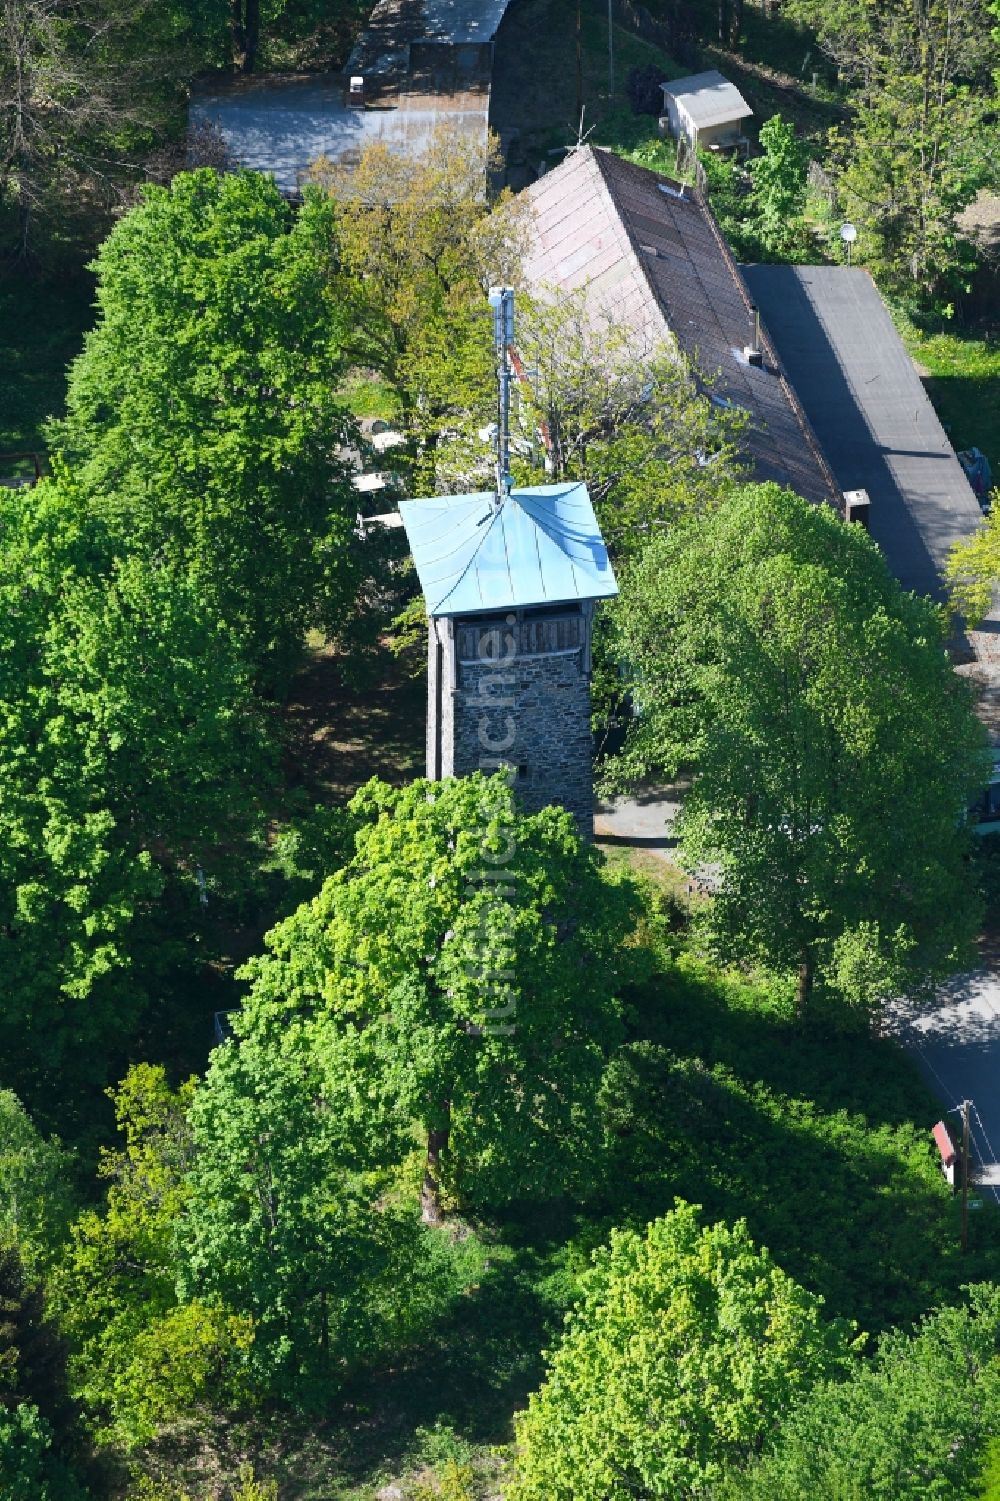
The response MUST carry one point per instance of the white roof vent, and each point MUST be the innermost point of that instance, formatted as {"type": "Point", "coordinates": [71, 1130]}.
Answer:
{"type": "Point", "coordinates": [857, 507]}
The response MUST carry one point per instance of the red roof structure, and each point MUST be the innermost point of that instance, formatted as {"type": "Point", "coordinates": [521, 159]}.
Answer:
{"type": "Point", "coordinates": [945, 1145]}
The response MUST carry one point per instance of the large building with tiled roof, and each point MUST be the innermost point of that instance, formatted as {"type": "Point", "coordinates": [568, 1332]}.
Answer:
{"type": "Point", "coordinates": [650, 254]}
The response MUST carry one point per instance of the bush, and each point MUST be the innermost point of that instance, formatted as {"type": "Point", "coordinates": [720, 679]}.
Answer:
{"type": "Point", "coordinates": [911, 1426]}
{"type": "Point", "coordinates": [686, 1346]}
{"type": "Point", "coordinates": [28, 1469]}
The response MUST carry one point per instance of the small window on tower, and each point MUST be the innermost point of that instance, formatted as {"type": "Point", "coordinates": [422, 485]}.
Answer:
{"type": "Point", "coordinates": [522, 770]}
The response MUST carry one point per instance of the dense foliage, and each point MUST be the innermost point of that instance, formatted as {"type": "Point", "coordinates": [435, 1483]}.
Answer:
{"type": "Point", "coordinates": [479, 1074]}
{"type": "Point", "coordinates": [777, 659]}
{"type": "Point", "coordinates": [463, 970]}
{"type": "Point", "coordinates": [685, 1348]}
{"type": "Point", "coordinates": [203, 424]}
{"type": "Point", "coordinates": [924, 137]}
{"type": "Point", "coordinates": [911, 1425]}
{"type": "Point", "coordinates": [129, 739]}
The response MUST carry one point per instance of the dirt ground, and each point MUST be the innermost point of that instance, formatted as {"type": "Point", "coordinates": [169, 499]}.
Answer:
{"type": "Point", "coordinates": [346, 725]}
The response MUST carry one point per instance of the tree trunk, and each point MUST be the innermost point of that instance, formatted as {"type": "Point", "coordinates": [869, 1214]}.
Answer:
{"type": "Point", "coordinates": [803, 992]}
{"type": "Point", "coordinates": [253, 35]}
{"type": "Point", "coordinates": [239, 33]}
{"type": "Point", "coordinates": [723, 28]}
{"type": "Point", "coordinates": [736, 23]}
{"type": "Point", "coordinates": [431, 1210]}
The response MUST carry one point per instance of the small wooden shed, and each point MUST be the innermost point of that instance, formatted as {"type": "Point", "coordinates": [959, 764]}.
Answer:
{"type": "Point", "coordinates": [705, 111]}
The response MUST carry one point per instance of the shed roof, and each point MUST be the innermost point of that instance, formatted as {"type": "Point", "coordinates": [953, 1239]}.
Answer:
{"type": "Point", "coordinates": [542, 546]}
{"type": "Point", "coordinates": [708, 99]}
{"type": "Point", "coordinates": [654, 259]}
{"type": "Point", "coordinates": [856, 381]}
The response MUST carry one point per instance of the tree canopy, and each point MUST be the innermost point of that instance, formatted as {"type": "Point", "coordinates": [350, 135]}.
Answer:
{"type": "Point", "coordinates": [911, 1425]}
{"type": "Point", "coordinates": [419, 242]}
{"type": "Point", "coordinates": [973, 569]}
{"type": "Point", "coordinates": [464, 970]}
{"type": "Point", "coordinates": [140, 1357]}
{"type": "Point", "coordinates": [633, 421]}
{"type": "Point", "coordinates": [686, 1346]}
{"type": "Point", "coordinates": [924, 137]}
{"type": "Point", "coordinates": [290, 1219]}
{"type": "Point", "coordinates": [833, 751]}
{"type": "Point", "coordinates": [203, 425]}
{"type": "Point", "coordinates": [129, 739]}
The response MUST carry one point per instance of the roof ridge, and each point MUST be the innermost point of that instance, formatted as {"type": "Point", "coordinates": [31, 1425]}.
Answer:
{"type": "Point", "coordinates": [474, 553]}
{"type": "Point", "coordinates": [701, 202]}
{"type": "Point", "coordinates": [836, 498]}
{"type": "Point", "coordinates": [622, 217]}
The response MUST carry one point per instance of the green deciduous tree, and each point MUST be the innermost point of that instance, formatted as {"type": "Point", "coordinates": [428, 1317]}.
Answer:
{"type": "Point", "coordinates": [288, 1219]}
{"type": "Point", "coordinates": [910, 1426]}
{"type": "Point", "coordinates": [85, 93]}
{"type": "Point", "coordinates": [138, 1357]}
{"type": "Point", "coordinates": [36, 1200]}
{"type": "Point", "coordinates": [687, 1345]}
{"type": "Point", "coordinates": [973, 569]}
{"type": "Point", "coordinates": [419, 245]}
{"type": "Point", "coordinates": [463, 971]}
{"type": "Point", "coordinates": [924, 137]}
{"type": "Point", "coordinates": [635, 423]}
{"type": "Point", "coordinates": [202, 419]}
{"type": "Point", "coordinates": [39, 1436]}
{"type": "Point", "coordinates": [30, 1470]}
{"type": "Point", "coordinates": [129, 738]}
{"type": "Point", "coordinates": [833, 749]}
{"type": "Point", "coordinates": [779, 188]}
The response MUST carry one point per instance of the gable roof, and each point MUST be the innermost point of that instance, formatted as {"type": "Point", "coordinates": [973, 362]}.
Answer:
{"type": "Point", "coordinates": [708, 99]}
{"type": "Point", "coordinates": [651, 254]}
{"type": "Point", "coordinates": [542, 546]}
{"type": "Point", "coordinates": [869, 407]}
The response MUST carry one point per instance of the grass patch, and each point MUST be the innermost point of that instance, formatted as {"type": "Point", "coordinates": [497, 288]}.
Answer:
{"type": "Point", "coordinates": [534, 73]}
{"type": "Point", "coordinates": [963, 382]}
{"type": "Point", "coordinates": [42, 325]}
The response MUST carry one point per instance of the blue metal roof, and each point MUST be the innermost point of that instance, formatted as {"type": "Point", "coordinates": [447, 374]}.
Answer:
{"type": "Point", "coordinates": [541, 547]}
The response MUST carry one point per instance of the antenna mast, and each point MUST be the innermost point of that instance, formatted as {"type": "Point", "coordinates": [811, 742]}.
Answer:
{"type": "Point", "coordinates": [502, 302]}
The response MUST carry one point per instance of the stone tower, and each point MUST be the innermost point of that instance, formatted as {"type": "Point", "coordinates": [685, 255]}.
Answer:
{"type": "Point", "coordinates": [511, 580]}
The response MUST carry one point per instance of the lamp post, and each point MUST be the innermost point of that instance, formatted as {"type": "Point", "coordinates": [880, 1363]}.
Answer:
{"type": "Point", "coordinates": [848, 233]}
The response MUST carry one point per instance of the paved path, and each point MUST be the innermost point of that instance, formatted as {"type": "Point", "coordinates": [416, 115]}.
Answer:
{"type": "Point", "coordinates": [643, 821]}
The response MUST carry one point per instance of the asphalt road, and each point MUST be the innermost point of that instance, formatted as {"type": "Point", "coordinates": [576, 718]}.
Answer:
{"type": "Point", "coordinates": [956, 1043]}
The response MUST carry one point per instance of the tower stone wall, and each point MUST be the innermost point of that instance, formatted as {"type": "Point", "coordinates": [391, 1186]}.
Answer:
{"type": "Point", "coordinates": [514, 689]}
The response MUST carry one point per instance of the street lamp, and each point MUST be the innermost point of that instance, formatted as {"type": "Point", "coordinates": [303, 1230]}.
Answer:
{"type": "Point", "coordinates": [848, 233]}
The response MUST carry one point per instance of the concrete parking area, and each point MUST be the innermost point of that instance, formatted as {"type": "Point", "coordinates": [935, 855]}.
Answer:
{"type": "Point", "coordinates": [282, 127]}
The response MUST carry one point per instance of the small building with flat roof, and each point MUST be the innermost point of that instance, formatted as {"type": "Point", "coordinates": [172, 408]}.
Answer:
{"type": "Point", "coordinates": [705, 111]}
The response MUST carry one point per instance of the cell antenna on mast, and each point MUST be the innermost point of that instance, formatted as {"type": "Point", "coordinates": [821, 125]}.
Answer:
{"type": "Point", "coordinates": [501, 300]}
